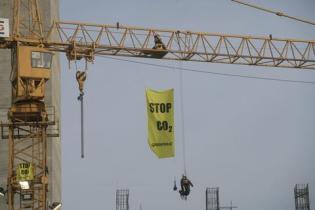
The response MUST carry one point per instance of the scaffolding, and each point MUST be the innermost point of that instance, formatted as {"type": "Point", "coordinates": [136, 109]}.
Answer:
{"type": "Point", "coordinates": [212, 199]}
{"type": "Point", "coordinates": [301, 195]}
{"type": "Point", "coordinates": [122, 199]}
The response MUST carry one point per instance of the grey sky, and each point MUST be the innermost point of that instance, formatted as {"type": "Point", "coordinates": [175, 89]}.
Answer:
{"type": "Point", "coordinates": [252, 138]}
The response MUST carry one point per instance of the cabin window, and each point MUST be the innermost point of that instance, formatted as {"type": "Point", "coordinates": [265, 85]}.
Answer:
{"type": "Point", "coordinates": [41, 60]}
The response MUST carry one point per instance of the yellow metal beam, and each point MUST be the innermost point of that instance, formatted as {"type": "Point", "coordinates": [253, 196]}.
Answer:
{"type": "Point", "coordinates": [87, 40]}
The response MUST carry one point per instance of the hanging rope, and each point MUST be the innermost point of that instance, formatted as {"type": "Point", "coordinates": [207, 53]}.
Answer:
{"type": "Point", "coordinates": [80, 98]}
{"type": "Point", "coordinates": [174, 159]}
{"type": "Point", "coordinates": [182, 117]}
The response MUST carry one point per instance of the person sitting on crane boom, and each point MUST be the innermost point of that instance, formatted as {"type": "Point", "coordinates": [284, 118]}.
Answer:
{"type": "Point", "coordinates": [158, 44]}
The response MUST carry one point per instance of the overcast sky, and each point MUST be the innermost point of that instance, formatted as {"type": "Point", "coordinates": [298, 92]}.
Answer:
{"type": "Point", "coordinates": [254, 139]}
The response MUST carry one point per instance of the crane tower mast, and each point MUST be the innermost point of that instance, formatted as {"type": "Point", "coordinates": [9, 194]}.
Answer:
{"type": "Point", "coordinates": [31, 122]}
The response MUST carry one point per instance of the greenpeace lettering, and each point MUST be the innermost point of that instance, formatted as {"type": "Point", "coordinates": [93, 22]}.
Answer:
{"type": "Point", "coordinates": [162, 144]}
{"type": "Point", "coordinates": [161, 122]}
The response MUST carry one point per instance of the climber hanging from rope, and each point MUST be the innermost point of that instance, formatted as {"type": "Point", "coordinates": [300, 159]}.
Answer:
{"type": "Point", "coordinates": [185, 185]}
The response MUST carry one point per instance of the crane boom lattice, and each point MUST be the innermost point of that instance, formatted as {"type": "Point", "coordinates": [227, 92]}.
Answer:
{"type": "Point", "coordinates": [79, 40]}
{"type": "Point", "coordinates": [88, 40]}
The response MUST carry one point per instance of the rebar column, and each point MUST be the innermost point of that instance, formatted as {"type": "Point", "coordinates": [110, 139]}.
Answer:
{"type": "Point", "coordinates": [212, 199]}
{"type": "Point", "coordinates": [301, 196]}
{"type": "Point", "coordinates": [122, 199]}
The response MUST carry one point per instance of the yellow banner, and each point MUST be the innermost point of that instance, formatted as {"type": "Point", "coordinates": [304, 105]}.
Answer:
{"type": "Point", "coordinates": [25, 172]}
{"type": "Point", "coordinates": [160, 108]}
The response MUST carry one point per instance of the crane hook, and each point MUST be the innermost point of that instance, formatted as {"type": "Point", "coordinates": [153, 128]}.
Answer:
{"type": "Point", "coordinates": [81, 77]}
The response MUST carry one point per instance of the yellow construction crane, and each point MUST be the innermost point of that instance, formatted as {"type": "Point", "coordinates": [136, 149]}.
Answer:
{"type": "Point", "coordinates": [30, 122]}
